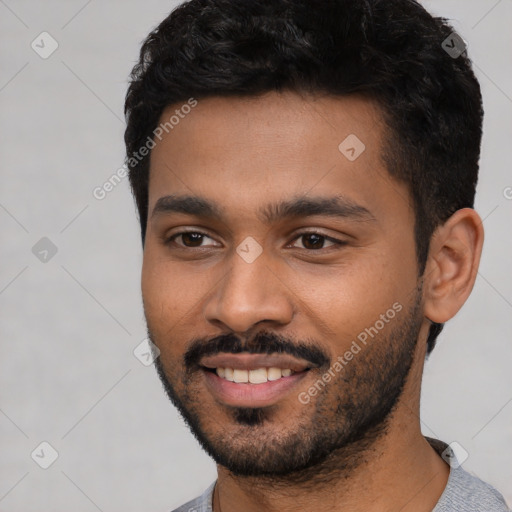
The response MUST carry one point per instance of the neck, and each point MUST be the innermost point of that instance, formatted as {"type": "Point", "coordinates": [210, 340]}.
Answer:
{"type": "Point", "coordinates": [392, 468]}
{"type": "Point", "coordinates": [399, 472]}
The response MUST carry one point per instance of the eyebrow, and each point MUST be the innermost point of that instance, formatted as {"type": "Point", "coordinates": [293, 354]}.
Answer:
{"type": "Point", "coordinates": [337, 206]}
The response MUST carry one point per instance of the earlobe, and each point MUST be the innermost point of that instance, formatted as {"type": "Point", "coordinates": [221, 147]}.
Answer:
{"type": "Point", "coordinates": [452, 265]}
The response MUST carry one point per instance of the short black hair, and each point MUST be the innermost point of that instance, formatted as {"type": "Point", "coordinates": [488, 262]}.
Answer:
{"type": "Point", "coordinates": [393, 51]}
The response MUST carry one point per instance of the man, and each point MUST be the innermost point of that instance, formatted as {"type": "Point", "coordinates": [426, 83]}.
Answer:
{"type": "Point", "coordinates": [305, 175]}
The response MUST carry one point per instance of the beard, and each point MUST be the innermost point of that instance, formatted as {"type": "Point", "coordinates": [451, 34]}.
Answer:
{"type": "Point", "coordinates": [323, 439]}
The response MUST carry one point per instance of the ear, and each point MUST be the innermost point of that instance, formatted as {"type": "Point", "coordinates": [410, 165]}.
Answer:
{"type": "Point", "coordinates": [452, 265]}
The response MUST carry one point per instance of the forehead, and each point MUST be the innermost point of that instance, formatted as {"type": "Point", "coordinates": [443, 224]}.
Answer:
{"type": "Point", "coordinates": [243, 152]}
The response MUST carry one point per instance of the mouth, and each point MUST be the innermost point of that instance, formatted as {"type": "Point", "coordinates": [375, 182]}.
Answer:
{"type": "Point", "coordinates": [252, 380]}
{"type": "Point", "coordinates": [258, 376]}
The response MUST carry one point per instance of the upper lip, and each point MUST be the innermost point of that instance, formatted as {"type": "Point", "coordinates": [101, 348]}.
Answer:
{"type": "Point", "coordinates": [247, 361]}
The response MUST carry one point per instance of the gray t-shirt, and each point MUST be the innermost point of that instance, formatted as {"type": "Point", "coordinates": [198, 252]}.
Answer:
{"type": "Point", "coordinates": [463, 492]}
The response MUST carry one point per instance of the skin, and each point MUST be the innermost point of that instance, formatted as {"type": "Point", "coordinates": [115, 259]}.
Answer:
{"type": "Point", "coordinates": [241, 154]}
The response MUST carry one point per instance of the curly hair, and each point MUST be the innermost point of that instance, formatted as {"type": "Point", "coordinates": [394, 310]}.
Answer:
{"type": "Point", "coordinates": [392, 51]}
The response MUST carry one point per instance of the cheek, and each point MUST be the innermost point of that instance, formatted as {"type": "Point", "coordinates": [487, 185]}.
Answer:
{"type": "Point", "coordinates": [160, 295]}
{"type": "Point", "coordinates": [172, 299]}
{"type": "Point", "coordinates": [352, 299]}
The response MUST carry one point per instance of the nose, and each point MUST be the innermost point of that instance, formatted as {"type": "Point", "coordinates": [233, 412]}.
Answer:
{"type": "Point", "coordinates": [250, 293]}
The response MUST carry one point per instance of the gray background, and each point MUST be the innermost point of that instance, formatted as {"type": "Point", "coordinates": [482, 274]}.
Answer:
{"type": "Point", "coordinates": [70, 324]}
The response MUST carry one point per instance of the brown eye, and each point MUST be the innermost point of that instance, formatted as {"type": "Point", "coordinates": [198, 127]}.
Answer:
{"type": "Point", "coordinates": [316, 241]}
{"type": "Point", "coordinates": [188, 239]}
{"type": "Point", "coordinates": [192, 239]}
{"type": "Point", "coordinates": [313, 241]}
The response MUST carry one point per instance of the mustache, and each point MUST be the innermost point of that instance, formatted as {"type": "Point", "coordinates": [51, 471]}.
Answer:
{"type": "Point", "coordinates": [262, 343]}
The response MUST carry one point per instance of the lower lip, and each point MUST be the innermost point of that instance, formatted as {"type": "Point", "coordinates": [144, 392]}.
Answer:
{"type": "Point", "coordinates": [251, 395]}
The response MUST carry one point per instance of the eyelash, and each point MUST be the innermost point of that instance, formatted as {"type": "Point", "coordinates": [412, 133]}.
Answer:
{"type": "Point", "coordinates": [336, 242]}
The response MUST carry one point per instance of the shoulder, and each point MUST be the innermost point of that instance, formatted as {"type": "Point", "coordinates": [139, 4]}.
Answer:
{"type": "Point", "coordinates": [202, 503]}
{"type": "Point", "coordinates": [465, 492]}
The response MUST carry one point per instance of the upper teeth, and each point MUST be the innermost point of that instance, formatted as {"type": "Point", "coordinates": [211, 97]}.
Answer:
{"type": "Point", "coordinates": [258, 376]}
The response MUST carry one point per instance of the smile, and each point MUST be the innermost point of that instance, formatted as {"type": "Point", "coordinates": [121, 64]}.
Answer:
{"type": "Point", "coordinates": [258, 376]}
{"type": "Point", "coordinates": [253, 380]}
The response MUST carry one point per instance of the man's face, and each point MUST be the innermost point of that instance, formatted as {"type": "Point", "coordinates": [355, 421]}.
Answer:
{"type": "Point", "coordinates": [305, 258]}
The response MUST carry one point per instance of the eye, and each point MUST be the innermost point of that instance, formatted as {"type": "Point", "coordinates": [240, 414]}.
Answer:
{"type": "Point", "coordinates": [310, 241]}
{"type": "Point", "coordinates": [189, 239]}
{"type": "Point", "coordinates": [316, 241]}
